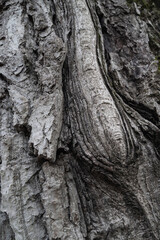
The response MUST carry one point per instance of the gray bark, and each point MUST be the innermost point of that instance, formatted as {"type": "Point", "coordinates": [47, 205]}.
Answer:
{"type": "Point", "coordinates": [79, 120]}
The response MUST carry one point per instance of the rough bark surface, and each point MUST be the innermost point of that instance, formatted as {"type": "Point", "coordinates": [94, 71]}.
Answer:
{"type": "Point", "coordinates": [79, 120]}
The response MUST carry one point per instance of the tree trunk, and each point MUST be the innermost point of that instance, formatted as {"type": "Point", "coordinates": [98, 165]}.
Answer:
{"type": "Point", "coordinates": [80, 129]}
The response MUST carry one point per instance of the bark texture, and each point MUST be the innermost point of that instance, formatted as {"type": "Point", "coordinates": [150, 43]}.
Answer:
{"type": "Point", "coordinates": [79, 120]}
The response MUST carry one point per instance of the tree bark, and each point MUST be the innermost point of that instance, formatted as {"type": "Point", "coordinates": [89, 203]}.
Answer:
{"type": "Point", "coordinates": [80, 129]}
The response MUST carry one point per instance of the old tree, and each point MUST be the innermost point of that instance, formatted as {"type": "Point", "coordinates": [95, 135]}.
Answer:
{"type": "Point", "coordinates": [79, 119]}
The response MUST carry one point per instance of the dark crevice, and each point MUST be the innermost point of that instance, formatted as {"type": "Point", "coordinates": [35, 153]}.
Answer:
{"type": "Point", "coordinates": [61, 151]}
{"type": "Point", "coordinates": [25, 129]}
{"type": "Point", "coordinates": [154, 138]}
{"type": "Point", "coordinates": [54, 16]}
{"type": "Point", "coordinates": [30, 18]}
{"type": "Point", "coordinates": [143, 110]}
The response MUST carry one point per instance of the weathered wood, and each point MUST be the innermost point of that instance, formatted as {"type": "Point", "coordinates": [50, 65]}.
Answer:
{"type": "Point", "coordinates": [80, 129]}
